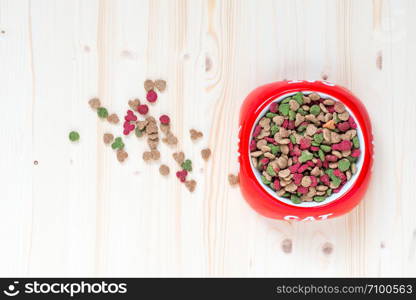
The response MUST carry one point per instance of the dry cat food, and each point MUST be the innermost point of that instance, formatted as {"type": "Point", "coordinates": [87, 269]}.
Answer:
{"type": "Point", "coordinates": [73, 136]}
{"type": "Point", "coordinates": [233, 179]}
{"type": "Point", "coordinates": [195, 134]}
{"type": "Point", "coordinates": [108, 138]}
{"type": "Point", "coordinates": [205, 153]}
{"type": "Point", "coordinates": [164, 170]}
{"type": "Point", "coordinates": [305, 147]}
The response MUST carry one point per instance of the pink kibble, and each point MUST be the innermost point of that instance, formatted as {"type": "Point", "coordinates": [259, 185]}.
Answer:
{"type": "Point", "coordinates": [319, 163]}
{"type": "Point", "coordinates": [340, 175]}
{"type": "Point", "coordinates": [356, 153]}
{"type": "Point", "coordinates": [294, 168]}
{"type": "Point", "coordinates": [164, 119]}
{"type": "Point", "coordinates": [257, 130]}
{"type": "Point", "coordinates": [325, 164]}
{"type": "Point", "coordinates": [143, 109]}
{"type": "Point", "coordinates": [304, 143]}
{"type": "Point", "coordinates": [274, 107]}
{"type": "Point", "coordinates": [304, 124]}
{"type": "Point", "coordinates": [126, 132]}
{"type": "Point", "coordinates": [253, 145]}
{"type": "Point", "coordinates": [338, 188]}
{"type": "Point", "coordinates": [290, 146]}
{"type": "Point", "coordinates": [276, 184]}
{"type": "Point", "coordinates": [271, 140]}
{"type": "Point", "coordinates": [285, 124]}
{"type": "Point", "coordinates": [291, 125]}
{"type": "Point", "coordinates": [297, 178]}
{"type": "Point", "coordinates": [331, 158]}
{"type": "Point", "coordinates": [302, 190]}
{"type": "Point", "coordinates": [314, 148]}
{"type": "Point", "coordinates": [295, 159]}
{"type": "Point", "coordinates": [303, 168]}
{"type": "Point", "coordinates": [352, 123]}
{"type": "Point", "coordinates": [330, 109]}
{"type": "Point", "coordinates": [325, 179]}
{"type": "Point", "coordinates": [314, 181]}
{"type": "Point", "coordinates": [343, 126]}
{"type": "Point", "coordinates": [296, 151]}
{"type": "Point", "coordinates": [310, 163]}
{"type": "Point", "coordinates": [151, 96]}
{"type": "Point", "coordinates": [342, 146]}
{"type": "Point", "coordinates": [264, 161]}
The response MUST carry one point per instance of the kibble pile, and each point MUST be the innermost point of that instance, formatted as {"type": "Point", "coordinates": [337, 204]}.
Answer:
{"type": "Point", "coordinates": [305, 147]}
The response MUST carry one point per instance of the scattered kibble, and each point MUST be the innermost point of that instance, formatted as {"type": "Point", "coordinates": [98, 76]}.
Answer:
{"type": "Point", "coordinates": [134, 104]}
{"type": "Point", "coordinates": [305, 147]}
{"type": "Point", "coordinates": [190, 185]}
{"type": "Point", "coordinates": [108, 138]}
{"type": "Point", "coordinates": [179, 157]}
{"type": "Point", "coordinates": [118, 143]}
{"type": "Point", "coordinates": [113, 118]}
{"type": "Point", "coordinates": [195, 134]}
{"type": "Point", "coordinates": [182, 175]}
{"type": "Point", "coordinates": [233, 179]}
{"type": "Point", "coordinates": [151, 96]}
{"type": "Point", "coordinates": [94, 103]}
{"type": "Point", "coordinates": [164, 119]}
{"type": "Point", "coordinates": [187, 165]}
{"type": "Point", "coordinates": [143, 109]}
{"type": "Point", "coordinates": [121, 155]}
{"type": "Point", "coordinates": [206, 153]}
{"type": "Point", "coordinates": [102, 112]}
{"type": "Point", "coordinates": [149, 85]}
{"type": "Point", "coordinates": [73, 136]}
{"type": "Point", "coordinates": [160, 85]}
{"type": "Point", "coordinates": [164, 170]}
{"type": "Point", "coordinates": [147, 156]}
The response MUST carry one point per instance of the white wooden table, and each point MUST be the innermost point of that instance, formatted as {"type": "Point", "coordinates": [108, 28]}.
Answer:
{"type": "Point", "coordinates": [78, 212]}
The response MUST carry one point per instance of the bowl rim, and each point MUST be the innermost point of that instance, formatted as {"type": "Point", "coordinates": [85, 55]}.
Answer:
{"type": "Point", "coordinates": [348, 185]}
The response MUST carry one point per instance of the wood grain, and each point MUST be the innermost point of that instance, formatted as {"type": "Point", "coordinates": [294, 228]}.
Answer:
{"type": "Point", "coordinates": [78, 212]}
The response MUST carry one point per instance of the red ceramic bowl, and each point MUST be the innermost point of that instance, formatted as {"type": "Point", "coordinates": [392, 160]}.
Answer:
{"type": "Point", "coordinates": [263, 199]}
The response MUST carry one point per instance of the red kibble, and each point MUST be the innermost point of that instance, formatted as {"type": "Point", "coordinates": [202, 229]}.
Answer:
{"type": "Point", "coordinates": [338, 188]}
{"type": "Point", "coordinates": [291, 125]}
{"type": "Point", "coordinates": [340, 175]}
{"type": "Point", "coordinates": [143, 109]}
{"type": "Point", "coordinates": [264, 161]}
{"type": "Point", "coordinates": [126, 132]}
{"type": "Point", "coordinates": [302, 190]}
{"type": "Point", "coordinates": [296, 151]}
{"type": "Point", "coordinates": [151, 96]}
{"type": "Point", "coordinates": [352, 123]}
{"type": "Point", "coordinates": [310, 163]}
{"type": "Point", "coordinates": [314, 181]}
{"type": "Point", "coordinates": [285, 124]}
{"type": "Point", "coordinates": [274, 107]}
{"type": "Point", "coordinates": [330, 109]}
{"type": "Point", "coordinates": [276, 184]}
{"type": "Point", "coordinates": [290, 145]}
{"type": "Point", "coordinates": [304, 143]}
{"type": "Point", "coordinates": [303, 168]}
{"type": "Point", "coordinates": [182, 175]}
{"type": "Point", "coordinates": [164, 119]}
{"type": "Point", "coordinates": [294, 168]}
{"type": "Point", "coordinates": [325, 179]}
{"type": "Point", "coordinates": [344, 126]}
{"type": "Point", "coordinates": [314, 148]}
{"type": "Point", "coordinates": [271, 140]}
{"type": "Point", "coordinates": [295, 159]}
{"type": "Point", "coordinates": [325, 164]}
{"type": "Point", "coordinates": [343, 146]}
{"type": "Point", "coordinates": [356, 153]}
{"type": "Point", "coordinates": [253, 145]}
{"type": "Point", "coordinates": [319, 163]}
{"type": "Point", "coordinates": [257, 131]}
{"type": "Point", "coordinates": [297, 178]}
{"type": "Point", "coordinates": [331, 158]}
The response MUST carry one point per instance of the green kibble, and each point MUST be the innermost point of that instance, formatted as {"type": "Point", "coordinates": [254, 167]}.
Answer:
{"type": "Point", "coordinates": [286, 195]}
{"type": "Point", "coordinates": [73, 136]}
{"type": "Point", "coordinates": [329, 192]}
{"type": "Point", "coordinates": [319, 198]}
{"type": "Point", "coordinates": [344, 165]}
{"type": "Point", "coordinates": [187, 165]}
{"type": "Point", "coordinates": [292, 139]}
{"type": "Point", "coordinates": [299, 98]}
{"type": "Point", "coordinates": [274, 149]}
{"type": "Point", "coordinates": [315, 110]}
{"type": "Point", "coordinates": [356, 142]}
{"type": "Point", "coordinates": [271, 115]}
{"type": "Point", "coordinates": [318, 138]}
{"type": "Point", "coordinates": [284, 109]}
{"type": "Point", "coordinates": [301, 128]}
{"type": "Point", "coordinates": [264, 180]}
{"type": "Point", "coordinates": [321, 155]}
{"type": "Point", "coordinates": [352, 159]}
{"type": "Point", "coordinates": [295, 199]}
{"type": "Point", "coordinates": [270, 170]}
{"type": "Point", "coordinates": [274, 129]}
{"type": "Point", "coordinates": [302, 112]}
{"type": "Point", "coordinates": [118, 143]}
{"type": "Point", "coordinates": [335, 181]}
{"type": "Point", "coordinates": [336, 119]}
{"type": "Point", "coordinates": [102, 112]}
{"type": "Point", "coordinates": [138, 132]}
{"type": "Point", "coordinates": [305, 156]}
{"type": "Point", "coordinates": [292, 115]}
{"type": "Point", "coordinates": [284, 101]}
{"type": "Point", "coordinates": [325, 148]}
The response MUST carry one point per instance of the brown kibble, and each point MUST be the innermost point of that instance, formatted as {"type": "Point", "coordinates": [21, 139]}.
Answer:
{"type": "Point", "coordinates": [287, 246]}
{"type": "Point", "coordinates": [329, 102]}
{"type": "Point", "coordinates": [233, 179]}
{"type": "Point", "coordinates": [306, 181]}
{"type": "Point", "coordinates": [206, 153]}
{"type": "Point", "coordinates": [151, 119]}
{"type": "Point", "coordinates": [141, 124]}
{"type": "Point", "coordinates": [278, 120]}
{"type": "Point", "coordinates": [344, 116]}
{"type": "Point", "coordinates": [306, 100]}
{"type": "Point", "coordinates": [165, 128]}
{"type": "Point", "coordinates": [94, 103]}
{"type": "Point", "coordinates": [151, 128]}
{"type": "Point", "coordinates": [190, 185]}
{"type": "Point", "coordinates": [153, 143]}
{"type": "Point", "coordinates": [195, 134]}
{"type": "Point", "coordinates": [314, 96]}
{"type": "Point", "coordinates": [330, 124]}
{"type": "Point", "coordinates": [149, 85]}
{"type": "Point", "coordinates": [160, 85]}
{"type": "Point", "coordinates": [121, 155]}
{"type": "Point", "coordinates": [164, 170]}
{"type": "Point", "coordinates": [311, 129]}
{"type": "Point", "coordinates": [113, 118]}
{"type": "Point", "coordinates": [339, 107]}
{"type": "Point", "coordinates": [294, 105]}
{"type": "Point", "coordinates": [155, 154]}
{"type": "Point", "coordinates": [284, 173]}
{"type": "Point", "coordinates": [292, 187]}
{"type": "Point", "coordinates": [147, 155]}
{"type": "Point", "coordinates": [170, 139]}
{"type": "Point", "coordinates": [108, 138]}
{"type": "Point", "coordinates": [179, 157]}
{"type": "Point", "coordinates": [153, 136]}
{"type": "Point", "coordinates": [134, 104]}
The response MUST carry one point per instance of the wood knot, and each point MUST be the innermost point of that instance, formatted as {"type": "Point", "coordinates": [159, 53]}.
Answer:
{"type": "Point", "coordinates": [327, 248]}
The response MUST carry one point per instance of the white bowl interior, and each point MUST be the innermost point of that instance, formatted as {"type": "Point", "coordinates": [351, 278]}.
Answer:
{"type": "Point", "coordinates": [347, 185]}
